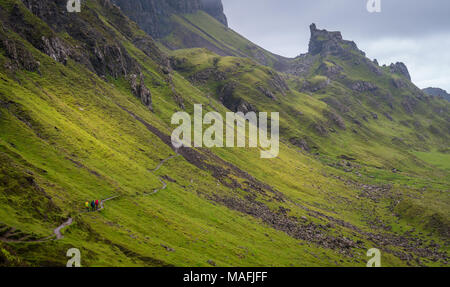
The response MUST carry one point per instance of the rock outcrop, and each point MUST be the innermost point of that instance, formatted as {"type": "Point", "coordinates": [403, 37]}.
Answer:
{"type": "Point", "coordinates": [401, 69]}
{"type": "Point", "coordinates": [335, 119]}
{"type": "Point", "coordinates": [361, 86]}
{"type": "Point", "coordinates": [301, 143]}
{"type": "Point", "coordinates": [19, 56]}
{"type": "Point", "coordinates": [233, 102]}
{"type": "Point", "coordinates": [140, 91]}
{"type": "Point", "coordinates": [56, 49]}
{"type": "Point", "coordinates": [325, 42]}
{"type": "Point", "coordinates": [331, 70]}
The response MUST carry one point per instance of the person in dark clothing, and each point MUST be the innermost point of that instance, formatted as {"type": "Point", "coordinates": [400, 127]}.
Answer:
{"type": "Point", "coordinates": [93, 205]}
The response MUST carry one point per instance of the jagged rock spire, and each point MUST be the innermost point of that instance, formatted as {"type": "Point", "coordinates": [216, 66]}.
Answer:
{"type": "Point", "coordinates": [326, 42]}
{"type": "Point", "coordinates": [401, 69]}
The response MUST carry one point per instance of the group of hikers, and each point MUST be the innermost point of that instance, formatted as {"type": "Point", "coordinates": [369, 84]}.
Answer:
{"type": "Point", "coordinates": [92, 206]}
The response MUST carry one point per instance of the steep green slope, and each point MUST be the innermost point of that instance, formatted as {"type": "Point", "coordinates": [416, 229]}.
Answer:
{"type": "Point", "coordinates": [201, 30]}
{"type": "Point", "coordinates": [68, 132]}
{"type": "Point", "coordinates": [77, 93]}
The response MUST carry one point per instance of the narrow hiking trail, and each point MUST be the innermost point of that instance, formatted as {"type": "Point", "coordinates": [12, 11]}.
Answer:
{"type": "Point", "coordinates": [160, 178]}
{"type": "Point", "coordinates": [57, 231]}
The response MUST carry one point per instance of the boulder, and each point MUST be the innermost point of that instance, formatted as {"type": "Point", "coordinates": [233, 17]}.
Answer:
{"type": "Point", "coordinates": [361, 86]}
{"type": "Point", "coordinates": [301, 143]}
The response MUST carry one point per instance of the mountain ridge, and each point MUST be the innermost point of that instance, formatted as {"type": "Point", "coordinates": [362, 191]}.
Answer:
{"type": "Point", "coordinates": [437, 92]}
{"type": "Point", "coordinates": [202, 39]}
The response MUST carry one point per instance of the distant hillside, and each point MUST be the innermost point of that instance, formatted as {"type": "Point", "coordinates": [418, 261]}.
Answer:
{"type": "Point", "coordinates": [195, 24]}
{"type": "Point", "coordinates": [437, 92]}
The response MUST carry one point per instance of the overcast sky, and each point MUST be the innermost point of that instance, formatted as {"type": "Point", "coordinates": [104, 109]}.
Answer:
{"type": "Point", "coordinates": [416, 32]}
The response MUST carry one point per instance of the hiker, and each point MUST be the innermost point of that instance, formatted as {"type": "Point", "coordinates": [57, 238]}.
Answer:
{"type": "Point", "coordinates": [87, 205]}
{"type": "Point", "coordinates": [96, 204]}
{"type": "Point", "coordinates": [93, 205]}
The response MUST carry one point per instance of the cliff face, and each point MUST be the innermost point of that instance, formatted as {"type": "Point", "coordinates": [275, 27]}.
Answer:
{"type": "Point", "coordinates": [153, 16]}
{"type": "Point", "coordinates": [215, 9]}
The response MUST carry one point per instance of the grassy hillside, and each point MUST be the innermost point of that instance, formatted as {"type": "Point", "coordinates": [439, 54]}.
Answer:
{"type": "Point", "coordinates": [334, 120]}
{"type": "Point", "coordinates": [72, 128]}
